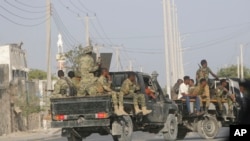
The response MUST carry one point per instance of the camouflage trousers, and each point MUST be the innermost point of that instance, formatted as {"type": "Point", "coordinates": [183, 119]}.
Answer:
{"type": "Point", "coordinates": [219, 101]}
{"type": "Point", "coordinates": [85, 83]}
{"type": "Point", "coordinates": [230, 106]}
{"type": "Point", "coordinates": [137, 98]}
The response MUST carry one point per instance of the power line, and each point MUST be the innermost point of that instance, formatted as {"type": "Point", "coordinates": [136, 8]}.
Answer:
{"type": "Point", "coordinates": [85, 6]}
{"type": "Point", "coordinates": [68, 8]}
{"type": "Point", "coordinates": [77, 7]}
{"type": "Point", "coordinates": [218, 28]}
{"type": "Point", "coordinates": [36, 18]}
{"type": "Point", "coordinates": [31, 6]}
{"type": "Point", "coordinates": [24, 10]}
{"type": "Point", "coordinates": [64, 27]}
{"type": "Point", "coordinates": [31, 25]}
{"type": "Point", "coordinates": [98, 21]}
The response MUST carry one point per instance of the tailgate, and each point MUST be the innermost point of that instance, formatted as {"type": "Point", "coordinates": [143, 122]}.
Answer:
{"type": "Point", "coordinates": [72, 108]}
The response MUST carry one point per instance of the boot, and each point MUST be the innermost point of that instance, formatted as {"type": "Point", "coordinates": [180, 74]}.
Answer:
{"type": "Point", "coordinates": [137, 110]}
{"type": "Point", "coordinates": [117, 111]}
{"type": "Point", "coordinates": [145, 111]}
{"type": "Point", "coordinates": [121, 110]}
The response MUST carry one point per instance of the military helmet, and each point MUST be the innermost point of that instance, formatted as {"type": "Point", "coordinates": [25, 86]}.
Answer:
{"type": "Point", "coordinates": [88, 49]}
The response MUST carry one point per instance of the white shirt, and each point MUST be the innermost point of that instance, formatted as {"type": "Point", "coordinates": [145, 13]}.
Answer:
{"type": "Point", "coordinates": [182, 89]}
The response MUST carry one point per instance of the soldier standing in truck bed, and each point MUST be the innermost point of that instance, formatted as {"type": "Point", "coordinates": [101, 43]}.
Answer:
{"type": "Point", "coordinates": [203, 73]}
{"type": "Point", "coordinates": [130, 88]}
{"type": "Point", "coordinates": [61, 86]}
{"type": "Point", "coordinates": [105, 81]}
{"type": "Point", "coordinates": [87, 68]}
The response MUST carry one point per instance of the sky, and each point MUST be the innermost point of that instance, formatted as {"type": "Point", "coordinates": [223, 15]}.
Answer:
{"type": "Point", "coordinates": [211, 30]}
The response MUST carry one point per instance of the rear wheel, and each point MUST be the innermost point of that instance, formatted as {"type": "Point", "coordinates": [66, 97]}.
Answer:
{"type": "Point", "coordinates": [74, 138]}
{"type": "Point", "coordinates": [172, 128]}
{"type": "Point", "coordinates": [208, 127]}
{"type": "Point", "coordinates": [127, 129]}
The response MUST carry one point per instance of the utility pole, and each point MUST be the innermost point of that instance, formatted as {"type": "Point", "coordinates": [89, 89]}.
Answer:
{"type": "Point", "coordinates": [166, 34]}
{"type": "Point", "coordinates": [170, 42]}
{"type": "Point", "coordinates": [238, 67]}
{"type": "Point", "coordinates": [117, 53]}
{"type": "Point", "coordinates": [241, 62]}
{"type": "Point", "coordinates": [175, 58]}
{"type": "Point", "coordinates": [48, 44]}
{"type": "Point", "coordinates": [97, 50]}
{"type": "Point", "coordinates": [88, 42]}
{"type": "Point", "coordinates": [180, 54]}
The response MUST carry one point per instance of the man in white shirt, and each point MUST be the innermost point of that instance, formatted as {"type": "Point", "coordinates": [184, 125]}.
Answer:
{"type": "Point", "coordinates": [184, 94]}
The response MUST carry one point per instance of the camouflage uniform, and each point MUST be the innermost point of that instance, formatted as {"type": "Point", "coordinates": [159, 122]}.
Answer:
{"type": "Point", "coordinates": [128, 88]}
{"type": "Point", "coordinates": [106, 85]}
{"type": "Point", "coordinates": [204, 73]}
{"type": "Point", "coordinates": [87, 68]}
{"type": "Point", "coordinates": [60, 88]}
{"type": "Point", "coordinates": [199, 91]}
{"type": "Point", "coordinates": [107, 88]}
{"type": "Point", "coordinates": [95, 89]}
{"type": "Point", "coordinates": [219, 96]}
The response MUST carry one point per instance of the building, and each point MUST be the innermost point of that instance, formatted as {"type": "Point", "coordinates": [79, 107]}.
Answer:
{"type": "Point", "coordinates": [15, 57]}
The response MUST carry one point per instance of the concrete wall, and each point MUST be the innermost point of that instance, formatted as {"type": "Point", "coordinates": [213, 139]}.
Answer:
{"type": "Point", "coordinates": [5, 101]}
{"type": "Point", "coordinates": [18, 102]}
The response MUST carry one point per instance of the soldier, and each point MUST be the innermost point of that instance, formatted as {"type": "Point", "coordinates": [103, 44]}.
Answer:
{"type": "Point", "coordinates": [200, 92]}
{"type": "Point", "coordinates": [219, 91]}
{"type": "Point", "coordinates": [87, 68]}
{"type": "Point", "coordinates": [129, 88]}
{"type": "Point", "coordinates": [105, 81]}
{"type": "Point", "coordinates": [203, 73]}
{"type": "Point", "coordinates": [175, 89]}
{"type": "Point", "coordinates": [73, 82]}
{"type": "Point", "coordinates": [61, 86]}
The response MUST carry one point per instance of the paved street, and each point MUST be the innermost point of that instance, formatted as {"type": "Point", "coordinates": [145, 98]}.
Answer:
{"type": "Point", "coordinates": [138, 136]}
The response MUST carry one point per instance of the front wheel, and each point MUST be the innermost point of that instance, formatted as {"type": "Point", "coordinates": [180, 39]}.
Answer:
{"type": "Point", "coordinates": [127, 129]}
{"type": "Point", "coordinates": [208, 128]}
{"type": "Point", "coordinates": [172, 128]}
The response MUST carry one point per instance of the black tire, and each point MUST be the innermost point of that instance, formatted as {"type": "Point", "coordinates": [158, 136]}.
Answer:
{"type": "Point", "coordinates": [208, 128]}
{"type": "Point", "coordinates": [172, 125]}
{"type": "Point", "coordinates": [182, 132]}
{"type": "Point", "coordinates": [74, 138]}
{"type": "Point", "coordinates": [127, 129]}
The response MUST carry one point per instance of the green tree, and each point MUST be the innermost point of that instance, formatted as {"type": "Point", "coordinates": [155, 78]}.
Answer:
{"type": "Point", "coordinates": [231, 72]}
{"type": "Point", "coordinates": [37, 74]}
{"type": "Point", "coordinates": [73, 57]}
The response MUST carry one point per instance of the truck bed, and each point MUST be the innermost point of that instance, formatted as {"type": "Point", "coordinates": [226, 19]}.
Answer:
{"type": "Point", "coordinates": [87, 106]}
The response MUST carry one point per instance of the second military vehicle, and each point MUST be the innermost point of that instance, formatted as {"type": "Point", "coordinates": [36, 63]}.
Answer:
{"type": "Point", "coordinates": [208, 125]}
{"type": "Point", "coordinates": [79, 117]}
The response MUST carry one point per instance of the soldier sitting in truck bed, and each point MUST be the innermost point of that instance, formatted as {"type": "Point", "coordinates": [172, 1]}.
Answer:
{"type": "Point", "coordinates": [105, 81]}
{"type": "Point", "coordinates": [61, 86]}
{"type": "Point", "coordinates": [130, 88]}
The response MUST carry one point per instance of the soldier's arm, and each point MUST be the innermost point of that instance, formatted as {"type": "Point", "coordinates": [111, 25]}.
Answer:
{"type": "Point", "coordinates": [213, 74]}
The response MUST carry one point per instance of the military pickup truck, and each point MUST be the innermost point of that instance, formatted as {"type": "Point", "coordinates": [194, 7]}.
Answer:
{"type": "Point", "coordinates": [207, 125]}
{"type": "Point", "coordinates": [79, 117]}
